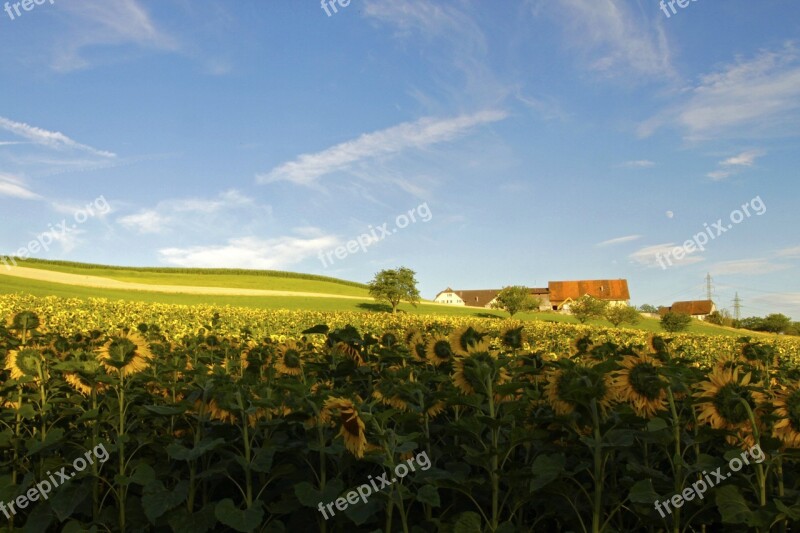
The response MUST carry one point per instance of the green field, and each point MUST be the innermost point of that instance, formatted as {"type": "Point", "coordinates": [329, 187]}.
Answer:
{"type": "Point", "coordinates": [269, 281]}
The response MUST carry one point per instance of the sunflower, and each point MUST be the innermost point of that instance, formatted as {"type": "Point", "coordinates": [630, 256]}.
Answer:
{"type": "Point", "coordinates": [473, 372]}
{"type": "Point", "coordinates": [787, 407]}
{"type": "Point", "coordinates": [640, 384]}
{"type": "Point", "coordinates": [289, 358]}
{"type": "Point", "coordinates": [439, 350]}
{"type": "Point", "coordinates": [352, 430]}
{"type": "Point", "coordinates": [392, 401]}
{"type": "Point", "coordinates": [24, 321]}
{"type": "Point", "coordinates": [719, 402]}
{"type": "Point", "coordinates": [83, 385]}
{"type": "Point", "coordinates": [27, 362]}
{"type": "Point", "coordinates": [343, 348]}
{"type": "Point", "coordinates": [513, 337]}
{"type": "Point", "coordinates": [582, 345]}
{"type": "Point", "coordinates": [416, 345]}
{"type": "Point", "coordinates": [389, 339]}
{"type": "Point", "coordinates": [214, 411]}
{"type": "Point", "coordinates": [436, 409]}
{"type": "Point", "coordinates": [127, 354]}
{"type": "Point", "coordinates": [576, 386]}
{"type": "Point", "coordinates": [461, 339]}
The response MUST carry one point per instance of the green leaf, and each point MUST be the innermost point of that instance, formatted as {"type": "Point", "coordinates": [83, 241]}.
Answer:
{"type": "Point", "coordinates": [240, 520]}
{"type": "Point", "coordinates": [182, 453]}
{"type": "Point", "coordinates": [182, 521]}
{"type": "Point", "coordinates": [320, 328]}
{"type": "Point", "coordinates": [307, 494]}
{"type": "Point", "coordinates": [643, 492]}
{"type": "Point", "coordinates": [143, 474]}
{"type": "Point", "coordinates": [546, 468]}
{"type": "Point", "coordinates": [792, 512]}
{"type": "Point", "coordinates": [65, 499]}
{"type": "Point", "coordinates": [468, 522]}
{"type": "Point", "coordinates": [429, 494]}
{"type": "Point", "coordinates": [657, 424]}
{"type": "Point", "coordinates": [165, 410]}
{"type": "Point", "coordinates": [157, 499]}
{"type": "Point", "coordinates": [732, 505]}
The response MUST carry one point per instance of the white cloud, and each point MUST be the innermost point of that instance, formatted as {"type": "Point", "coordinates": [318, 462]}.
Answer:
{"type": "Point", "coordinates": [100, 22]}
{"type": "Point", "coordinates": [649, 256]}
{"type": "Point", "coordinates": [147, 221]}
{"type": "Point", "coordinates": [14, 187]}
{"type": "Point", "coordinates": [734, 164]}
{"type": "Point", "coordinates": [640, 163]}
{"type": "Point", "coordinates": [747, 266]}
{"type": "Point", "coordinates": [307, 168]}
{"type": "Point", "coordinates": [249, 252]}
{"type": "Point", "coordinates": [748, 98]}
{"type": "Point", "coordinates": [793, 251]}
{"type": "Point", "coordinates": [51, 139]}
{"type": "Point", "coordinates": [619, 240]}
{"type": "Point", "coordinates": [615, 39]}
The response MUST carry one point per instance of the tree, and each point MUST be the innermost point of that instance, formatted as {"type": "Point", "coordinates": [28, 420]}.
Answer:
{"type": "Point", "coordinates": [647, 308]}
{"type": "Point", "coordinates": [395, 286]}
{"type": "Point", "coordinates": [587, 307]}
{"type": "Point", "coordinates": [754, 323]}
{"type": "Point", "coordinates": [619, 314]}
{"type": "Point", "coordinates": [675, 322]}
{"type": "Point", "coordinates": [515, 299]}
{"type": "Point", "coordinates": [776, 323]}
{"type": "Point", "coordinates": [720, 318]}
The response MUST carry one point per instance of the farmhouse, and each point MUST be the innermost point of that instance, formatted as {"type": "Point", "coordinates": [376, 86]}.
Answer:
{"type": "Point", "coordinates": [484, 298]}
{"type": "Point", "coordinates": [562, 293]}
{"type": "Point", "coordinates": [696, 308]}
{"type": "Point", "coordinates": [557, 296]}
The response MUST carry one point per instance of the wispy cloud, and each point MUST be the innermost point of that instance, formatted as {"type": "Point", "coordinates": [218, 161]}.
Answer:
{"type": "Point", "coordinates": [169, 214]}
{"type": "Point", "coordinates": [733, 165]}
{"type": "Point", "coordinates": [749, 98]}
{"type": "Point", "coordinates": [648, 256]}
{"type": "Point", "coordinates": [51, 139]}
{"type": "Point", "coordinates": [639, 163]}
{"type": "Point", "coordinates": [747, 266]}
{"type": "Point", "coordinates": [793, 251]}
{"type": "Point", "coordinates": [619, 240]}
{"type": "Point", "coordinates": [250, 252]}
{"type": "Point", "coordinates": [100, 22]}
{"type": "Point", "coordinates": [16, 188]}
{"type": "Point", "coordinates": [615, 40]}
{"type": "Point", "coordinates": [308, 168]}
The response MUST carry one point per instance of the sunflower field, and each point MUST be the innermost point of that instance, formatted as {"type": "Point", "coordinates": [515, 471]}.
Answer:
{"type": "Point", "coordinates": [229, 419]}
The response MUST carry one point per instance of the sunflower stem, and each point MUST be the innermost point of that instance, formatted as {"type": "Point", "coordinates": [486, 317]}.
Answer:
{"type": "Point", "coordinates": [597, 504]}
{"type": "Point", "coordinates": [677, 460]}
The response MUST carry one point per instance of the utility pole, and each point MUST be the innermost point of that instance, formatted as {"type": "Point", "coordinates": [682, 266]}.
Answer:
{"type": "Point", "coordinates": [737, 307]}
{"type": "Point", "coordinates": [709, 289]}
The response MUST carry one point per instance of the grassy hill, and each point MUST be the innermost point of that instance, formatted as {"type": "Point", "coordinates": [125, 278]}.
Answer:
{"type": "Point", "coordinates": [267, 280]}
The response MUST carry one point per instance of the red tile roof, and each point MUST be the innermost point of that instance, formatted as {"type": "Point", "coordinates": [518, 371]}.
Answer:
{"type": "Point", "coordinates": [693, 307]}
{"type": "Point", "coordinates": [604, 289]}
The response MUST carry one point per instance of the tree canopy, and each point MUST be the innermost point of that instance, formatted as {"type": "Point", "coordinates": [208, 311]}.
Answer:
{"type": "Point", "coordinates": [516, 299]}
{"type": "Point", "coordinates": [395, 286]}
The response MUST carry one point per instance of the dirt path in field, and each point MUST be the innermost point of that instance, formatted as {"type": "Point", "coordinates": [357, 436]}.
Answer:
{"type": "Point", "coordinates": [97, 282]}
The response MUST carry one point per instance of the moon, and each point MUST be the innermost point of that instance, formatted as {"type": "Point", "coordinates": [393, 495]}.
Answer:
{"type": "Point", "coordinates": [670, 214]}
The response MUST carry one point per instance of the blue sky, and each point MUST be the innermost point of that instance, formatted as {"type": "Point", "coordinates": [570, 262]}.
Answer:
{"type": "Point", "coordinates": [550, 140]}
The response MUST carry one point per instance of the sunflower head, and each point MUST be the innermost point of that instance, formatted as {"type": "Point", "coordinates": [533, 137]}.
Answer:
{"type": "Point", "coordinates": [24, 320]}
{"type": "Point", "coordinates": [720, 399]}
{"type": "Point", "coordinates": [476, 370]}
{"type": "Point", "coordinates": [574, 387]}
{"type": "Point", "coordinates": [582, 345]}
{"type": "Point", "coordinates": [641, 384]}
{"type": "Point", "coordinates": [439, 350]}
{"type": "Point", "coordinates": [25, 364]}
{"type": "Point", "coordinates": [759, 355]}
{"type": "Point", "coordinates": [461, 339]}
{"type": "Point", "coordinates": [125, 354]}
{"type": "Point", "coordinates": [289, 358]}
{"type": "Point", "coordinates": [389, 339]}
{"type": "Point", "coordinates": [352, 426]}
{"type": "Point", "coordinates": [787, 408]}
{"type": "Point", "coordinates": [82, 372]}
{"type": "Point", "coordinates": [513, 338]}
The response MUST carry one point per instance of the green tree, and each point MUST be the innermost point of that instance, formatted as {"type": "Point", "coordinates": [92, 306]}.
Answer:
{"type": "Point", "coordinates": [647, 308]}
{"type": "Point", "coordinates": [622, 314]}
{"type": "Point", "coordinates": [587, 307]}
{"type": "Point", "coordinates": [675, 322]}
{"type": "Point", "coordinates": [720, 318]}
{"type": "Point", "coordinates": [776, 323]}
{"type": "Point", "coordinates": [516, 299]}
{"type": "Point", "coordinates": [395, 286]}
